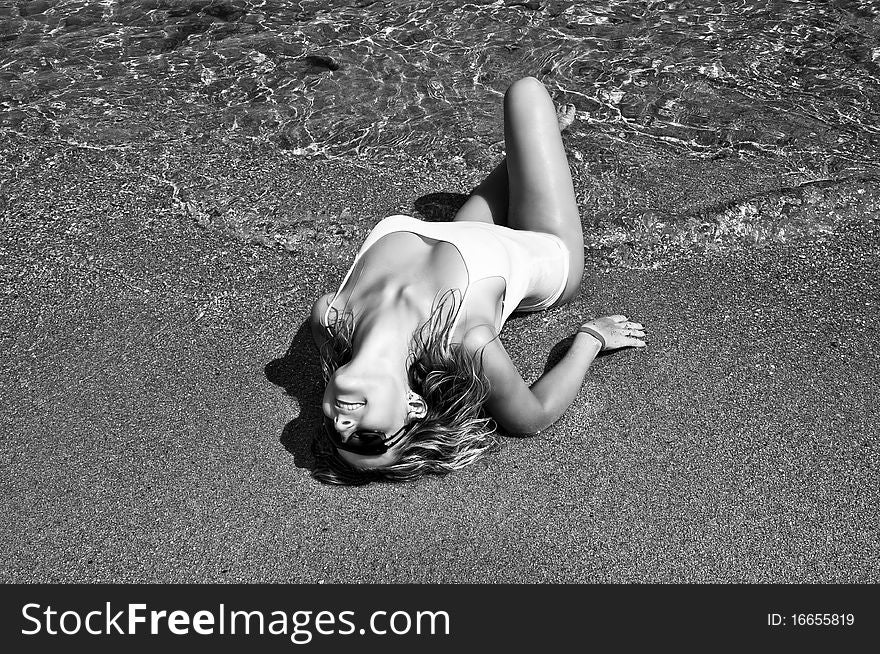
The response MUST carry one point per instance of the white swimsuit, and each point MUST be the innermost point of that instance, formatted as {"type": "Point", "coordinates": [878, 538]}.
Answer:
{"type": "Point", "coordinates": [533, 265]}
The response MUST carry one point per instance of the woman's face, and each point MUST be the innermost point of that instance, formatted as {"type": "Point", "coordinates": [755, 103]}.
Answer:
{"type": "Point", "coordinates": [367, 399]}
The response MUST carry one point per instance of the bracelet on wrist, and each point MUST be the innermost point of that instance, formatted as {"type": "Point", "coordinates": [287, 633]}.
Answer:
{"type": "Point", "coordinates": [592, 332]}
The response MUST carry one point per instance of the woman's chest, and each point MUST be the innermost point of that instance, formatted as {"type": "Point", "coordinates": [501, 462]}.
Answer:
{"type": "Point", "coordinates": [423, 270]}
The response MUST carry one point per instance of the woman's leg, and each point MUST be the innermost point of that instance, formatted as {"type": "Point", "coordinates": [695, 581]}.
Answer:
{"type": "Point", "coordinates": [541, 195]}
{"type": "Point", "coordinates": [488, 202]}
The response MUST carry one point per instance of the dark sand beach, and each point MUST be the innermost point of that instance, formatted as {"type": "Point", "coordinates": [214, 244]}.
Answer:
{"type": "Point", "coordinates": [160, 393]}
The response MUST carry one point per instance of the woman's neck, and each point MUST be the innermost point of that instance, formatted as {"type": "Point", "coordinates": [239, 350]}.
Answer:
{"type": "Point", "coordinates": [383, 335]}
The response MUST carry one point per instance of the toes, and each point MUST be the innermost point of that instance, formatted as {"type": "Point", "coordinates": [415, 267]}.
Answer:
{"type": "Point", "coordinates": [565, 115]}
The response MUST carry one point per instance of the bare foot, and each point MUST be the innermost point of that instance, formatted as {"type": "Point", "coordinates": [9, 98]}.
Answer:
{"type": "Point", "coordinates": [565, 115]}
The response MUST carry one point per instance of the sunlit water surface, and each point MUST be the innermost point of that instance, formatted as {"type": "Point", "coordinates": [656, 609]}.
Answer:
{"type": "Point", "coordinates": [792, 80]}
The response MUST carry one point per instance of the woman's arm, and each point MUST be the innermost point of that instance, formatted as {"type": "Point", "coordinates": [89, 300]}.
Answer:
{"type": "Point", "coordinates": [557, 388]}
{"type": "Point", "coordinates": [523, 409]}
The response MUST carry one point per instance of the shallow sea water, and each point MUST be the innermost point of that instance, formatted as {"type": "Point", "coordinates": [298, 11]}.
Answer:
{"type": "Point", "coordinates": [788, 83]}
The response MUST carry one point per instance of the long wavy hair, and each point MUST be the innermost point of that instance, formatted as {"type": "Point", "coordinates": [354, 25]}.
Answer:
{"type": "Point", "coordinates": [455, 432]}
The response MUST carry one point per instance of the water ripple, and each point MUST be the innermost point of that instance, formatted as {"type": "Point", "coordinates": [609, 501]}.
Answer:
{"type": "Point", "coordinates": [793, 79]}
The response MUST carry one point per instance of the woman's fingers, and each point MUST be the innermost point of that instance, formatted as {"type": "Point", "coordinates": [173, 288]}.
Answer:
{"type": "Point", "coordinates": [619, 331]}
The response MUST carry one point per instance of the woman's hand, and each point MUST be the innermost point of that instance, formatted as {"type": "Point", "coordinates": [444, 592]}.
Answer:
{"type": "Point", "coordinates": [614, 332]}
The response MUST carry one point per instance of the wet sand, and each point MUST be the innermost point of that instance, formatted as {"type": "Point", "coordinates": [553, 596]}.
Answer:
{"type": "Point", "coordinates": [154, 429]}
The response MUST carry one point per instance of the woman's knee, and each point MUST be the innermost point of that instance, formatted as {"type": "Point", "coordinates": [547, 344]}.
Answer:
{"type": "Point", "coordinates": [575, 275]}
{"type": "Point", "coordinates": [524, 91]}
{"type": "Point", "coordinates": [526, 84]}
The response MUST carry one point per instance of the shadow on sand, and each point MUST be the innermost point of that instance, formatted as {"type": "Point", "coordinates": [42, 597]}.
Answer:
{"type": "Point", "coordinates": [439, 207]}
{"type": "Point", "coordinates": [298, 372]}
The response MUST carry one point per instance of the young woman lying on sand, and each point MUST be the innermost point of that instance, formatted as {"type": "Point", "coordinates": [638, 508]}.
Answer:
{"type": "Point", "coordinates": [417, 377]}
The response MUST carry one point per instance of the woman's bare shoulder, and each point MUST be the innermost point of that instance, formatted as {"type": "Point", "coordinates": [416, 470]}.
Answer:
{"type": "Point", "coordinates": [483, 343]}
{"type": "Point", "coordinates": [477, 337]}
{"type": "Point", "coordinates": [319, 310]}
